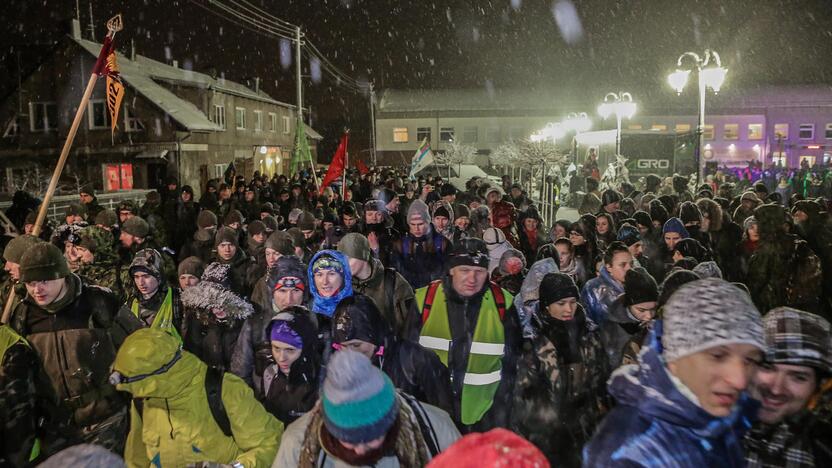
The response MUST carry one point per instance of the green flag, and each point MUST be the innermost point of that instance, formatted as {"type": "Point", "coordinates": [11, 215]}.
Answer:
{"type": "Point", "coordinates": [301, 152]}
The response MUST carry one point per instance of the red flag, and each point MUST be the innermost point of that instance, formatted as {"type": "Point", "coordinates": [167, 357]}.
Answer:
{"type": "Point", "coordinates": [336, 168]}
{"type": "Point", "coordinates": [362, 168]}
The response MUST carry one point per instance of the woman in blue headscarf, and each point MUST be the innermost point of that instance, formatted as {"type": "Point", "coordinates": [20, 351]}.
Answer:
{"type": "Point", "coordinates": [330, 281]}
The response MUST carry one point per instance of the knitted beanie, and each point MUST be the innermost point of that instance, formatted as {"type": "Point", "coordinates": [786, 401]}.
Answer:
{"type": "Point", "coordinates": [675, 225]}
{"type": "Point", "coordinates": [294, 215]}
{"type": "Point", "coordinates": [470, 252]}
{"type": "Point", "coordinates": [281, 242]}
{"type": "Point", "coordinates": [191, 266]}
{"type": "Point", "coordinates": [689, 213]}
{"type": "Point", "coordinates": [233, 216]}
{"type": "Point", "coordinates": [359, 402]}
{"type": "Point", "coordinates": [18, 246]}
{"type": "Point", "coordinates": [708, 269]}
{"type": "Point", "coordinates": [136, 226]}
{"type": "Point", "coordinates": [674, 281]}
{"type": "Point", "coordinates": [418, 209]}
{"type": "Point", "coordinates": [88, 189]}
{"type": "Point", "coordinates": [306, 221]}
{"type": "Point", "coordinates": [798, 338]}
{"type": "Point", "coordinates": [495, 448]}
{"type": "Point", "coordinates": [640, 287]}
{"type": "Point", "coordinates": [206, 219]}
{"type": "Point", "coordinates": [287, 266]}
{"type": "Point", "coordinates": [557, 286]}
{"type": "Point", "coordinates": [355, 245]}
{"type": "Point", "coordinates": [225, 234]}
{"type": "Point", "coordinates": [707, 313]}
{"type": "Point", "coordinates": [658, 212]}
{"type": "Point", "coordinates": [512, 262]}
{"type": "Point", "coordinates": [43, 261]}
{"type": "Point", "coordinates": [461, 211]}
{"type": "Point", "coordinates": [628, 234]}
{"type": "Point", "coordinates": [107, 218]}
{"type": "Point", "coordinates": [256, 227]}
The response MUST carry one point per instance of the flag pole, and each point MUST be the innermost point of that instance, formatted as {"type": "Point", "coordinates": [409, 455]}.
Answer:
{"type": "Point", "coordinates": [113, 25]}
{"type": "Point", "coordinates": [344, 175]}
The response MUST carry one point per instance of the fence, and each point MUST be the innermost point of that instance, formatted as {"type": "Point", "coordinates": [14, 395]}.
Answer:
{"type": "Point", "coordinates": [59, 205]}
{"type": "Point", "coordinates": [541, 190]}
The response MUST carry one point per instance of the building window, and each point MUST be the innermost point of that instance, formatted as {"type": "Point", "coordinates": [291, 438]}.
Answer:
{"type": "Point", "coordinates": [634, 127]}
{"type": "Point", "coordinates": [272, 122]}
{"type": "Point", "coordinates": [755, 131]}
{"type": "Point", "coordinates": [682, 128]}
{"type": "Point", "coordinates": [809, 159]}
{"type": "Point", "coordinates": [258, 120]}
{"type": "Point", "coordinates": [658, 128]}
{"type": "Point", "coordinates": [240, 116]}
{"type": "Point", "coordinates": [829, 131]}
{"type": "Point", "coordinates": [43, 116]}
{"type": "Point", "coordinates": [807, 132]}
{"type": "Point", "coordinates": [400, 135]}
{"type": "Point", "coordinates": [219, 116]}
{"type": "Point", "coordinates": [778, 159]}
{"type": "Point", "coordinates": [781, 131]}
{"type": "Point", "coordinates": [287, 124]}
{"type": "Point", "coordinates": [131, 122]}
{"type": "Point", "coordinates": [118, 177]}
{"type": "Point", "coordinates": [446, 134]}
{"type": "Point", "coordinates": [98, 116]}
{"type": "Point", "coordinates": [422, 134]}
{"type": "Point", "coordinates": [708, 132]}
{"type": "Point", "coordinates": [469, 135]}
{"type": "Point", "coordinates": [219, 170]}
{"type": "Point", "coordinates": [731, 132]}
{"type": "Point", "coordinates": [12, 128]}
{"type": "Point", "coordinates": [492, 135]}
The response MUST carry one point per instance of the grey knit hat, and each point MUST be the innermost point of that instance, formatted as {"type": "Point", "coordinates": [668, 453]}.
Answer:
{"type": "Point", "coordinates": [136, 226]}
{"type": "Point", "coordinates": [281, 242]}
{"type": "Point", "coordinates": [708, 269]}
{"type": "Point", "coordinates": [18, 246]}
{"type": "Point", "coordinates": [355, 245]}
{"type": "Point", "coordinates": [107, 218]}
{"type": "Point", "coordinates": [418, 209]}
{"type": "Point", "coordinates": [191, 266]}
{"type": "Point", "coordinates": [706, 313]}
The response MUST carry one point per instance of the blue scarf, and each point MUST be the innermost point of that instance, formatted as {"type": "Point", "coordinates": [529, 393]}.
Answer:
{"type": "Point", "coordinates": [326, 305]}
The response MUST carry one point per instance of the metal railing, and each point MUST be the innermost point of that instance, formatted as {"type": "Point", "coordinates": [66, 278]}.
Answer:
{"type": "Point", "coordinates": [58, 208]}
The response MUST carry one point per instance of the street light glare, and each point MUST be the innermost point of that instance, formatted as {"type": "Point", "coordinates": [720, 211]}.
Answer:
{"type": "Point", "coordinates": [713, 77]}
{"type": "Point", "coordinates": [604, 110]}
{"type": "Point", "coordinates": [678, 80]}
{"type": "Point", "coordinates": [628, 109]}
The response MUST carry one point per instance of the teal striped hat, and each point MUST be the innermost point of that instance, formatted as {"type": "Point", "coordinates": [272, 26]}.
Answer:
{"type": "Point", "coordinates": [359, 400]}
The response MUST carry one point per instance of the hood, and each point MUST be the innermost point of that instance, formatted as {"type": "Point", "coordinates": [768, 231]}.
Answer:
{"type": "Point", "coordinates": [326, 305]}
{"type": "Point", "coordinates": [529, 296]}
{"type": "Point", "coordinates": [607, 278]}
{"type": "Point", "coordinates": [360, 319]}
{"type": "Point", "coordinates": [648, 387]}
{"type": "Point", "coordinates": [299, 319]}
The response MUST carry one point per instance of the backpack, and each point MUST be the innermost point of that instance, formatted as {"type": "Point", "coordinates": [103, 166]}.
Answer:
{"type": "Point", "coordinates": [213, 391]}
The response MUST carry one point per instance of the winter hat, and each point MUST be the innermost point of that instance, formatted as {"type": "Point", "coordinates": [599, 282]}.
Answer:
{"type": "Point", "coordinates": [667, 202]}
{"type": "Point", "coordinates": [418, 209]}
{"type": "Point", "coordinates": [256, 227]}
{"type": "Point", "coordinates": [153, 197]}
{"type": "Point", "coordinates": [770, 219]}
{"type": "Point", "coordinates": [206, 219]}
{"type": "Point", "coordinates": [191, 266]}
{"type": "Point", "coordinates": [358, 318]}
{"type": "Point", "coordinates": [689, 213]}
{"type": "Point", "coordinates": [76, 209]}
{"type": "Point", "coordinates": [503, 214]}
{"type": "Point", "coordinates": [287, 267]}
{"type": "Point", "coordinates": [496, 448]}
{"type": "Point", "coordinates": [136, 226]}
{"type": "Point", "coordinates": [188, 189]}
{"type": "Point", "coordinates": [707, 313]}
{"type": "Point", "coordinates": [692, 248]}
{"type": "Point", "coordinates": [148, 261]}
{"type": "Point", "coordinates": [610, 196]}
{"type": "Point", "coordinates": [687, 263]}
{"type": "Point", "coordinates": [88, 189]}
{"type": "Point", "coordinates": [658, 212]}
{"type": "Point", "coordinates": [355, 245]}
{"type": "Point", "coordinates": [461, 211]}
{"type": "Point", "coordinates": [386, 196]}
{"type": "Point", "coordinates": [809, 207]}
{"type": "Point", "coordinates": [333, 235]}
{"type": "Point", "coordinates": [798, 338]}
{"type": "Point", "coordinates": [294, 215]}
{"type": "Point", "coordinates": [749, 221]}
{"type": "Point", "coordinates": [225, 234]}
{"type": "Point", "coordinates": [443, 211]}
{"type": "Point", "coordinates": [674, 281]}
{"type": "Point", "coordinates": [675, 225]}
{"type": "Point", "coordinates": [750, 196]}
{"type": "Point", "coordinates": [31, 218]}
{"type": "Point", "coordinates": [375, 205]}
{"type": "Point", "coordinates": [470, 251]}
{"type": "Point", "coordinates": [493, 238]}
{"type": "Point", "coordinates": [85, 455]}
{"type": "Point", "coordinates": [331, 260]}
{"type": "Point", "coordinates": [267, 208]}
{"type": "Point", "coordinates": [639, 287]}
{"type": "Point", "coordinates": [512, 262]}
{"type": "Point", "coordinates": [760, 187]}
{"type": "Point", "coordinates": [214, 291]}
{"type": "Point", "coordinates": [306, 221]}
{"type": "Point", "coordinates": [298, 239]}
{"type": "Point", "coordinates": [107, 218]}
{"type": "Point", "coordinates": [557, 286]}
{"type": "Point", "coordinates": [708, 269]}
{"type": "Point", "coordinates": [281, 242]}
{"type": "Point", "coordinates": [358, 400]}
{"type": "Point", "coordinates": [43, 261]}
{"type": "Point", "coordinates": [94, 238]}
{"type": "Point", "coordinates": [18, 246]}
{"type": "Point", "coordinates": [271, 224]}
{"type": "Point", "coordinates": [628, 234]}
{"type": "Point", "coordinates": [447, 190]}
{"type": "Point", "coordinates": [233, 216]}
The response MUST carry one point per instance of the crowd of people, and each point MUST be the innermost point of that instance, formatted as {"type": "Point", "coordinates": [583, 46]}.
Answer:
{"type": "Point", "coordinates": [413, 323]}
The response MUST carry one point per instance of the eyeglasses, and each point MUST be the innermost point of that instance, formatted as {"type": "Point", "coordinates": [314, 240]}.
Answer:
{"type": "Point", "coordinates": [118, 378]}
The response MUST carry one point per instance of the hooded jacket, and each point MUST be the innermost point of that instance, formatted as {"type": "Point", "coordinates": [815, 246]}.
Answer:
{"type": "Point", "coordinates": [599, 296]}
{"type": "Point", "coordinates": [176, 426]}
{"type": "Point", "coordinates": [400, 310]}
{"type": "Point", "coordinates": [326, 305]}
{"type": "Point", "coordinates": [421, 259]}
{"type": "Point", "coordinates": [654, 424]}
{"type": "Point", "coordinates": [104, 270]}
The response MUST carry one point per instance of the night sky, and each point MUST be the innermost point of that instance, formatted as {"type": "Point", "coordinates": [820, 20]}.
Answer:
{"type": "Point", "coordinates": [591, 46]}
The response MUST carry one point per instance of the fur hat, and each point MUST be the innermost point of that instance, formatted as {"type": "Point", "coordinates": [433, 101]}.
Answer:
{"type": "Point", "coordinates": [206, 219]}
{"type": "Point", "coordinates": [226, 234]}
{"type": "Point", "coordinates": [214, 292]}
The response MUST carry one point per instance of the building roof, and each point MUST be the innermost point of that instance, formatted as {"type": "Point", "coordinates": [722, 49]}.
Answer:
{"type": "Point", "coordinates": [311, 133]}
{"type": "Point", "coordinates": [143, 74]}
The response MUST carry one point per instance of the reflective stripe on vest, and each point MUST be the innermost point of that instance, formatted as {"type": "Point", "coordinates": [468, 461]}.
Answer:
{"type": "Point", "coordinates": [482, 376]}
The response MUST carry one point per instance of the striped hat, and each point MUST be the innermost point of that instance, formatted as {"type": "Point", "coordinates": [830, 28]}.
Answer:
{"type": "Point", "coordinates": [359, 401]}
{"type": "Point", "coordinates": [798, 338]}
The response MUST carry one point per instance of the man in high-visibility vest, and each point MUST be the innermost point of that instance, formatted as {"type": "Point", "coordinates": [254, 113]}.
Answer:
{"type": "Point", "coordinates": [471, 325]}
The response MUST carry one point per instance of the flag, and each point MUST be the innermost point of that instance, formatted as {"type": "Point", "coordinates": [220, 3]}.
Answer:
{"type": "Point", "coordinates": [362, 168]}
{"type": "Point", "coordinates": [301, 152]}
{"type": "Point", "coordinates": [336, 167]}
{"type": "Point", "coordinates": [106, 66]}
{"type": "Point", "coordinates": [421, 159]}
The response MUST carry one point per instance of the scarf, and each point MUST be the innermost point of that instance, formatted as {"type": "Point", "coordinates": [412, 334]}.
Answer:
{"type": "Point", "coordinates": [565, 335]}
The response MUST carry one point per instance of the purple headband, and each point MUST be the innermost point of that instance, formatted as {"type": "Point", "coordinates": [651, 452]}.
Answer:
{"type": "Point", "coordinates": [281, 331]}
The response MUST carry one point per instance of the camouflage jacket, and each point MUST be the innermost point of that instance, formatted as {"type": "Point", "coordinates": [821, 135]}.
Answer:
{"type": "Point", "coordinates": [558, 404]}
{"type": "Point", "coordinates": [104, 275]}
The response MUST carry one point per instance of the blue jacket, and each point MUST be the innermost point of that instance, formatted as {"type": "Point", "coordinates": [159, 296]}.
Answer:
{"type": "Point", "coordinates": [599, 294]}
{"type": "Point", "coordinates": [655, 425]}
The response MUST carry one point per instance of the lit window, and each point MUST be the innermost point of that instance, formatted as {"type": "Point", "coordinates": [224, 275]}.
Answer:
{"type": "Point", "coordinates": [755, 131]}
{"type": "Point", "coordinates": [98, 116]}
{"type": "Point", "coordinates": [658, 128]}
{"type": "Point", "coordinates": [731, 132]}
{"type": "Point", "coordinates": [422, 134]}
{"type": "Point", "coordinates": [682, 128]}
{"type": "Point", "coordinates": [446, 134]}
{"type": "Point", "coordinates": [272, 122]}
{"type": "Point", "coordinates": [492, 135]}
{"type": "Point", "coordinates": [781, 131]}
{"type": "Point", "coordinates": [469, 135]}
{"type": "Point", "coordinates": [808, 159]}
{"type": "Point", "coordinates": [400, 135]}
{"type": "Point", "coordinates": [708, 132]}
{"type": "Point", "coordinates": [43, 116]}
{"type": "Point", "coordinates": [634, 127]}
{"type": "Point", "coordinates": [118, 177]}
{"type": "Point", "coordinates": [807, 132]}
{"type": "Point", "coordinates": [258, 120]}
{"type": "Point", "coordinates": [240, 115]}
{"type": "Point", "coordinates": [219, 115]}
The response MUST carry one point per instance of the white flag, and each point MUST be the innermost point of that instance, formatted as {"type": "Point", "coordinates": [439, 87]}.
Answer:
{"type": "Point", "coordinates": [421, 159]}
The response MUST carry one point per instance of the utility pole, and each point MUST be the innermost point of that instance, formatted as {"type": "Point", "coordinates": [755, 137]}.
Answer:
{"type": "Point", "coordinates": [297, 72]}
{"type": "Point", "coordinates": [92, 25]}
{"type": "Point", "coordinates": [373, 122]}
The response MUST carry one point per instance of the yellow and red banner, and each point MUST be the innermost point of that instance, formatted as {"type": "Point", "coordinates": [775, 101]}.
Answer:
{"type": "Point", "coordinates": [106, 65]}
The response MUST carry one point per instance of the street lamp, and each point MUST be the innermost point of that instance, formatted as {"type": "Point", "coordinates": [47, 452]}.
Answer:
{"type": "Point", "coordinates": [578, 122]}
{"type": "Point", "coordinates": [621, 104]}
{"type": "Point", "coordinates": [711, 74]}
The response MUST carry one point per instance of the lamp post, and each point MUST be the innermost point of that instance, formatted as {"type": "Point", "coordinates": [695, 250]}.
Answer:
{"type": "Point", "coordinates": [710, 74]}
{"type": "Point", "coordinates": [621, 104]}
